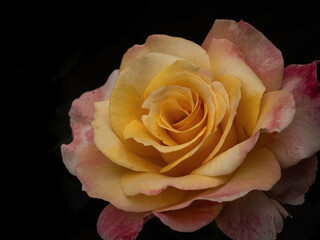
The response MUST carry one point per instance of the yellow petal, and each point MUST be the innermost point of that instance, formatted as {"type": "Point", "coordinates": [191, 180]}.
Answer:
{"type": "Point", "coordinates": [127, 95]}
{"type": "Point", "coordinates": [135, 183]}
{"type": "Point", "coordinates": [232, 85]}
{"type": "Point", "coordinates": [136, 130]}
{"type": "Point", "coordinates": [225, 58]}
{"type": "Point", "coordinates": [212, 143]}
{"type": "Point", "coordinates": [113, 148]}
{"type": "Point", "coordinates": [229, 160]}
{"type": "Point", "coordinates": [185, 74]}
{"type": "Point", "coordinates": [174, 46]}
{"type": "Point", "coordinates": [222, 101]}
{"type": "Point", "coordinates": [259, 171]}
{"type": "Point", "coordinates": [101, 178]}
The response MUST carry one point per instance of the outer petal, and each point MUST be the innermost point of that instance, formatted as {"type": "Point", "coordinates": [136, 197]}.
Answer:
{"type": "Point", "coordinates": [101, 178]}
{"type": "Point", "coordinates": [191, 218]}
{"type": "Point", "coordinates": [114, 224]}
{"type": "Point", "coordinates": [301, 139]}
{"type": "Point", "coordinates": [253, 217]}
{"type": "Point", "coordinates": [261, 55]}
{"type": "Point", "coordinates": [225, 59]}
{"type": "Point", "coordinates": [81, 114]}
{"type": "Point", "coordinates": [295, 181]}
{"type": "Point", "coordinates": [174, 46]}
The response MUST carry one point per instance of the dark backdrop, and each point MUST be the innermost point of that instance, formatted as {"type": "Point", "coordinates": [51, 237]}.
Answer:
{"type": "Point", "coordinates": [62, 51]}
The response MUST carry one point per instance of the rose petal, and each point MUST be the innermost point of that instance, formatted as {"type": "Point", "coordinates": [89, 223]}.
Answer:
{"type": "Point", "coordinates": [134, 183]}
{"type": "Point", "coordinates": [174, 46]}
{"type": "Point", "coordinates": [191, 218]}
{"type": "Point", "coordinates": [114, 224]}
{"type": "Point", "coordinates": [301, 139]}
{"type": "Point", "coordinates": [128, 93]}
{"type": "Point", "coordinates": [136, 130]}
{"type": "Point", "coordinates": [215, 140]}
{"type": "Point", "coordinates": [277, 111]}
{"type": "Point", "coordinates": [187, 75]}
{"type": "Point", "coordinates": [81, 115]}
{"type": "Point", "coordinates": [295, 182]}
{"type": "Point", "coordinates": [251, 217]}
{"type": "Point", "coordinates": [259, 171]}
{"type": "Point", "coordinates": [234, 157]}
{"type": "Point", "coordinates": [260, 54]}
{"type": "Point", "coordinates": [113, 148]}
{"type": "Point", "coordinates": [101, 178]}
{"type": "Point", "coordinates": [225, 59]}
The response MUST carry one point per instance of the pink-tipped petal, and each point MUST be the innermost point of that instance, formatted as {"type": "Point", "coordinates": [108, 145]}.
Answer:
{"type": "Point", "coordinates": [191, 218]}
{"type": "Point", "coordinates": [295, 182]}
{"type": "Point", "coordinates": [253, 217]}
{"type": "Point", "coordinates": [227, 60]}
{"type": "Point", "coordinates": [277, 111]}
{"type": "Point", "coordinates": [302, 138]}
{"type": "Point", "coordinates": [114, 224]}
{"type": "Point", "coordinates": [261, 55]}
{"type": "Point", "coordinates": [81, 115]}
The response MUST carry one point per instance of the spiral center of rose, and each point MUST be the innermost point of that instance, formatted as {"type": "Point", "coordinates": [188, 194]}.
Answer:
{"type": "Point", "coordinates": [176, 114]}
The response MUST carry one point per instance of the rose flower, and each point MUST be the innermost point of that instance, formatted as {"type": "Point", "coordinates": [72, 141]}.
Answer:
{"type": "Point", "coordinates": [192, 134]}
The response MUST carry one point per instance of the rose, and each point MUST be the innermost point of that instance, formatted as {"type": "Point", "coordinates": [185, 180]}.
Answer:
{"type": "Point", "coordinates": [192, 134]}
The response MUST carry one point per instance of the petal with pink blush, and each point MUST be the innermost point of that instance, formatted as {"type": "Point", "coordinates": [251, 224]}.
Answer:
{"type": "Point", "coordinates": [101, 178]}
{"type": "Point", "coordinates": [226, 59]}
{"type": "Point", "coordinates": [114, 224]}
{"type": "Point", "coordinates": [260, 54]}
{"type": "Point", "coordinates": [191, 218]}
{"type": "Point", "coordinates": [295, 182]}
{"type": "Point", "coordinates": [81, 115]}
{"type": "Point", "coordinates": [301, 139]}
{"type": "Point", "coordinates": [252, 217]}
{"type": "Point", "coordinates": [277, 111]}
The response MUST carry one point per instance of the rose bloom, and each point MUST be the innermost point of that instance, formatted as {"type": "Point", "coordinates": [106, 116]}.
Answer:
{"type": "Point", "coordinates": [190, 134]}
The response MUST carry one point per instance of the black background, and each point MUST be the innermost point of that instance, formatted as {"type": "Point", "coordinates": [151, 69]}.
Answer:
{"type": "Point", "coordinates": [60, 51]}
